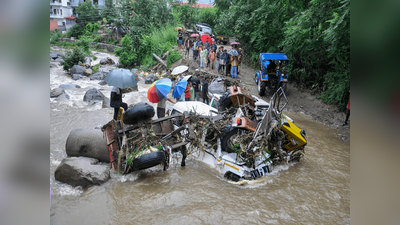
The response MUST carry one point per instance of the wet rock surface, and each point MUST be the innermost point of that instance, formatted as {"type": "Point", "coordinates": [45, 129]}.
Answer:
{"type": "Point", "coordinates": [77, 76]}
{"type": "Point", "coordinates": [77, 69]}
{"type": "Point", "coordinates": [82, 171]}
{"type": "Point", "coordinates": [56, 92]}
{"type": "Point", "coordinates": [93, 95]}
{"type": "Point", "coordinates": [69, 86]}
{"type": "Point", "coordinates": [87, 72]}
{"type": "Point", "coordinates": [97, 76]}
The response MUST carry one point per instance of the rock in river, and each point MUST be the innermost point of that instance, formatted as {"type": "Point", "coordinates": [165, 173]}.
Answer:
{"type": "Point", "coordinates": [93, 95]}
{"type": "Point", "coordinates": [77, 69]}
{"type": "Point", "coordinates": [63, 96]}
{"type": "Point", "coordinates": [107, 60]}
{"type": "Point", "coordinates": [56, 92]}
{"type": "Point", "coordinates": [69, 86]}
{"type": "Point", "coordinates": [97, 76]}
{"type": "Point", "coordinates": [103, 82]}
{"type": "Point", "coordinates": [88, 72]}
{"type": "Point", "coordinates": [82, 171]}
{"type": "Point", "coordinates": [77, 76]}
{"type": "Point", "coordinates": [53, 55]}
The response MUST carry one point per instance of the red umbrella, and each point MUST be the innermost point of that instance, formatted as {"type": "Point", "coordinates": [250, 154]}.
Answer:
{"type": "Point", "coordinates": [205, 37]}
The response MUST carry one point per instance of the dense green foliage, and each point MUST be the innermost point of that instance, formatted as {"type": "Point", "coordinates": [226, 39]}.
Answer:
{"type": "Point", "coordinates": [109, 12]}
{"type": "Point", "coordinates": [75, 31]}
{"type": "Point", "coordinates": [315, 35]}
{"type": "Point", "coordinates": [143, 17]}
{"type": "Point", "coordinates": [87, 13]}
{"type": "Point", "coordinates": [173, 57]}
{"type": "Point", "coordinates": [54, 36]}
{"type": "Point", "coordinates": [126, 53]}
{"type": "Point", "coordinates": [76, 57]}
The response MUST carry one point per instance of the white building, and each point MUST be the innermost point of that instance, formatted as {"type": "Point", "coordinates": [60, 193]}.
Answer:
{"type": "Point", "coordinates": [63, 11]}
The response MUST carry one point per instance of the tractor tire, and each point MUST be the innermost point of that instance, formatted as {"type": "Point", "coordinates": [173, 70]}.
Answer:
{"type": "Point", "coordinates": [261, 87]}
{"type": "Point", "coordinates": [148, 160]}
{"type": "Point", "coordinates": [227, 138]}
{"type": "Point", "coordinates": [225, 101]}
{"type": "Point", "coordinates": [140, 112]}
{"type": "Point", "coordinates": [255, 79]}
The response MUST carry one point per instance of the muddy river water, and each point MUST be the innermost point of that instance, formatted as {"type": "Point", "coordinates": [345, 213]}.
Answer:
{"type": "Point", "coordinates": [314, 191]}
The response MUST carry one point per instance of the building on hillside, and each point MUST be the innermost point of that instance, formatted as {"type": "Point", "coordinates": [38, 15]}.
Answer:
{"type": "Point", "coordinates": [62, 12]}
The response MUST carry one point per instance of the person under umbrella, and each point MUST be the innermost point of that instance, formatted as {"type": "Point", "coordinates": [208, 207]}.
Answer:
{"type": "Point", "coordinates": [119, 79]}
{"type": "Point", "coordinates": [158, 93]}
{"type": "Point", "coordinates": [161, 106]}
{"type": "Point", "coordinates": [116, 101]}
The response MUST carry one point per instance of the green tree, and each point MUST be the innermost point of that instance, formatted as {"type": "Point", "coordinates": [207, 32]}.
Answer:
{"type": "Point", "coordinates": [109, 11]}
{"type": "Point", "coordinates": [76, 57]}
{"type": "Point", "coordinates": [126, 53]}
{"type": "Point", "coordinates": [87, 13]}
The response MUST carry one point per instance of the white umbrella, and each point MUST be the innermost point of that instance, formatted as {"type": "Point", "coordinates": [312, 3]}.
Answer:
{"type": "Point", "coordinates": [179, 69]}
{"type": "Point", "coordinates": [187, 77]}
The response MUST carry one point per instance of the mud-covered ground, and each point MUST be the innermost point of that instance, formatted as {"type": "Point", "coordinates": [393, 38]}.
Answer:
{"type": "Point", "coordinates": [299, 101]}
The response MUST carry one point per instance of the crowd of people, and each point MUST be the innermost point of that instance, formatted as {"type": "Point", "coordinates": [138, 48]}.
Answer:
{"type": "Point", "coordinates": [211, 58]}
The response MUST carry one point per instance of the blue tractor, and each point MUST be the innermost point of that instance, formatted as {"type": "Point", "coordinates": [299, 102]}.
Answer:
{"type": "Point", "coordinates": [273, 73]}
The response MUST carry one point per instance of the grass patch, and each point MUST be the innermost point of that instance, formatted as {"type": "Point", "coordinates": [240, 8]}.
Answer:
{"type": "Point", "coordinates": [94, 57]}
{"type": "Point", "coordinates": [96, 68]}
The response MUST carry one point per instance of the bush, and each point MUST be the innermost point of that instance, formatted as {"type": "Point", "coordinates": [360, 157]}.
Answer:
{"type": "Point", "coordinates": [84, 43]}
{"type": "Point", "coordinates": [173, 57]}
{"type": "Point", "coordinates": [126, 53]}
{"type": "Point", "coordinates": [94, 57]}
{"type": "Point", "coordinates": [75, 31]}
{"type": "Point", "coordinates": [76, 57]}
{"type": "Point", "coordinates": [54, 37]}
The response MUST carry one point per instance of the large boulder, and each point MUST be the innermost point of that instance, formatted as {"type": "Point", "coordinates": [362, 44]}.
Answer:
{"type": "Point", "coordinates": [93, 95]}
{"type": "Point", "coordinates": [88, 143]}
{"type": "Point", "coordinates": [59, 59]}
{"type": "Point", "coordinates": [103, 82]}
{"type": "Point", "coordinates": [53, 55]}
{"type": "Point", "coordinates": [69, 86]}
{"type": "Point", "coordinates": [77, 76]}
{"type": "Point", "coordinates": [107, 60]}
{"type": "Point", "coordinates": [82, 171]}
{"type": "Point", "coordinates": [56, 92]}
{"type": "Point", "coordinates": [97, 76]}
{"type": "Point", "coordinates": [63, 96]}
{"type": "Point", "coordinates": [77, 69]}
{"type": "Point", "coordinates": [88, 72]}
{"type": "Point", "coordinates": [150, 78]}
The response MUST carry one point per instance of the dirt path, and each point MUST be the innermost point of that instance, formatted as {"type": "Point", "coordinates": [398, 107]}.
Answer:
{"type": "Point", "coordinates": [299, 101]}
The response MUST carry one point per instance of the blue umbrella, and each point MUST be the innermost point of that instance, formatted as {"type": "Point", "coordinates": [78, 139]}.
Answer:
{"type": "Point", "coordinates": [179, 88]}
{"type": "Point", "coordinates": [121, 78]}
{"type": "Point", "coordinates": [233, 52]}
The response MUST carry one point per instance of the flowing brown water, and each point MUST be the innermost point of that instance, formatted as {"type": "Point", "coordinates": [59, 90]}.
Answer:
{"type": "Point", "coordinates": [314, 191]}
